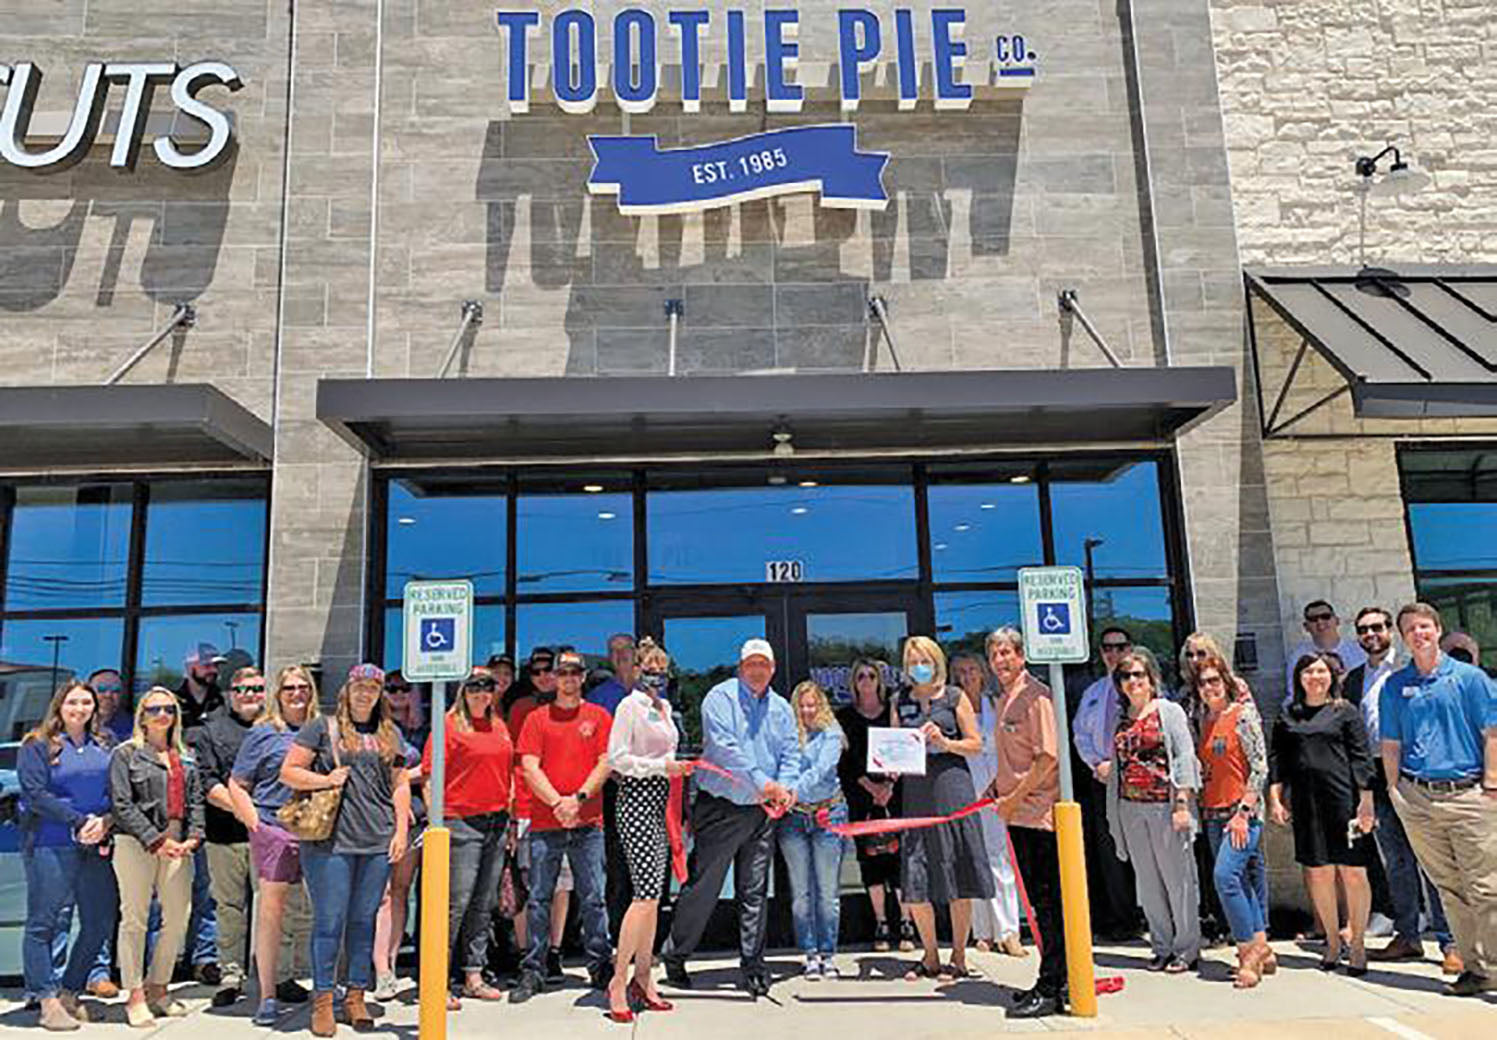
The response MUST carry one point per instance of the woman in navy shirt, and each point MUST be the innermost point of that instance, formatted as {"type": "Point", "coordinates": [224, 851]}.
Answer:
{"type": "Point", "coordinates": [63, 766]}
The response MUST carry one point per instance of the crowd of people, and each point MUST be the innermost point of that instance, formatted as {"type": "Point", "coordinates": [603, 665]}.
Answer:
{"type": "Point", "coordinates": [205, 810]}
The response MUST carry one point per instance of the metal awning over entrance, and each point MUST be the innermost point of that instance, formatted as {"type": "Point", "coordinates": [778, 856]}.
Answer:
{"type": "Point", "coordinates": [45, 428]}
{"type": "Point", "coordinates": [397, 420]}
{"type": "Point", "coordinates": [1419, 342]}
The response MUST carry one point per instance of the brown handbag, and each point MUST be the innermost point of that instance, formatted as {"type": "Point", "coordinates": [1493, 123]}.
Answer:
{"type": "Point", "coordinates": [310, 815]}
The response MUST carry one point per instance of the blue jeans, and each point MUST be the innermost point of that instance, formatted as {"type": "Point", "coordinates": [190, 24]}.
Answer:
{"type": "Point", "coordinates": [201, 945]}
{"type": "Point", "coordinates": [1241, 879]}
{"type": "Point", "coordinates": [476, 865]}
{"type": "Point", "coordinates": [56, 878]}
{"type": "Point", "coordinates": [345, 891]}
{"type": "Point", "coordinates": [813, 857]}
{"type": "Point", "coordinates": [1405, 876]}
{"type": "Point", "coordinates": [583, 848]}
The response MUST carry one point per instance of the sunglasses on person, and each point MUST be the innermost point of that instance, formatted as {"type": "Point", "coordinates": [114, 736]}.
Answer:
{"type": "Point", "coordinates": [1136, 673]}
{"type": "Point", "coordinates": [1374, 627]}
{"type": "Point", "coordinates": [1196, 655]}
{"type": "Point", "coordinates": [483, 685]}
{"type": "Point", "coordinates": [1323, 616]}
{"type": "Point", "coordinates": [160, 709]}
{"type": "Point", "coordinates": [540, 669]}
{"type": "Point", "coordinates": [395, 687]}
{"type": "Point", "coordinates": [1115, 646]}
{"type": "Point", "coordinates": [250, 688]}
{"type": "Point", "coordinates": [109, 688]}
{"type": "Point", "coordinates": [1212, 680]}
{"type": "Point", "coordinates": [296, 687]}
{"type": "Point", "coordinates": [569, 671]}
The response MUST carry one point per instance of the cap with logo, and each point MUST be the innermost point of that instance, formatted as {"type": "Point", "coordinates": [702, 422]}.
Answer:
{"type": "Point", "coordinates": [568, 659]}
{"type": "Point", "coordinates": [756, 648]}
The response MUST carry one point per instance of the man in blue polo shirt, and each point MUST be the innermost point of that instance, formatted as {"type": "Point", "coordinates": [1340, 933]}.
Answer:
{"type": "Point", "coordinates": [1439, 745]}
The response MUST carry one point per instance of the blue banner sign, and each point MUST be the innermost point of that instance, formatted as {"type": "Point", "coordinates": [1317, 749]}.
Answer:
{"type": "Point", "coordinates": [648, 179]}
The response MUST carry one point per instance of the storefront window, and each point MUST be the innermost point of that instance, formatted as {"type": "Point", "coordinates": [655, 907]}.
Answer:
{"type": "Point", "coordinates": [69, 547]}
{"type": "Point", "coordinates": [818, 533]}
{"type": "Point", "coordinates": [984, 532]}
{"type": "Point", "coordinates": [1451, 498]}
{"type": "Point", "coordinates": [436, 530]}
{"type": "Point", "coordinates": [205, 542]}
{"type": "Point", "coordinates": [488, 635]}
{"type": "Point", "coordinates": [584, 626]}
{"type": "Point", "coordinates": [574, 543]}
{"type": "Point", "coordinates": [69, 606]}
{"type": "Point", "coordinates": [964, 619]}
{"type": "Point", "coordinates": [1107, 518]}
{"type": "Point", "coordinates": [39, 654]}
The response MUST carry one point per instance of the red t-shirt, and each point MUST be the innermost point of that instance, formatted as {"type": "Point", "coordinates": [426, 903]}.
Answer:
{"type": "Point", "coordinates": [519, 711]}
{"type": "Point", "coordinates": [569, 743]}
{"type": "Point", "coordinates": [479, 769]}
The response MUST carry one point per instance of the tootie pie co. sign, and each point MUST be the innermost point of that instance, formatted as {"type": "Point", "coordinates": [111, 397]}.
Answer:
{"type": "Point", "coordinates": [906, 59]}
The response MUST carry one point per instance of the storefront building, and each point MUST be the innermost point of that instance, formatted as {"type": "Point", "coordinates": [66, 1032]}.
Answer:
{"type": "Point", "coordinates": [695, 386]}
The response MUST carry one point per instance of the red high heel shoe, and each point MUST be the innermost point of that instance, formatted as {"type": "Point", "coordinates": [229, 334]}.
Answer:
{"type": "Point", "coordinates": [625, 1016]}
{"type": "Point", "coordinates": [637, 995]}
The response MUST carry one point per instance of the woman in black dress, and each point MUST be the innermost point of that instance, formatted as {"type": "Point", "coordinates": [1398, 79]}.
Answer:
{"type": "Point", "coordinates": [1319, 749]}
{"type": "Point", "coordinates": [872, 796]}
{"type": "Point", "coordinates": [947, 863]}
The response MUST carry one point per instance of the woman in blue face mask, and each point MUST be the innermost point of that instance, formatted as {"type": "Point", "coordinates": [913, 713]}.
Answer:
{"type": "Point", "coordinates": [946, 863]}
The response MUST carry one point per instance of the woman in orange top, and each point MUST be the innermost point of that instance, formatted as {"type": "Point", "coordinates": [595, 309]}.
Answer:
{"type": "Point", "coordinates": [1234, 759]}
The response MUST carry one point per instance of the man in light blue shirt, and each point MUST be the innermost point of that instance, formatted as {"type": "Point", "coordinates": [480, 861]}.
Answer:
{"type": "Point", "coordinates": [749, 733]}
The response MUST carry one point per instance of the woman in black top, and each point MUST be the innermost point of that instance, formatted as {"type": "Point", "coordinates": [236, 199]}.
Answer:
{"type": "Point", "coordinates": [1319, 749]}
{"type": "Point", "coordinates": [947, 863]}
{"type": "Point", "coordinates": [872, 796]}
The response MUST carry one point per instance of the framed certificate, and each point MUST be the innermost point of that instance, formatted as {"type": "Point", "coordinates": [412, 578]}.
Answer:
{"type": "Point", "coordinates": [892, 750]}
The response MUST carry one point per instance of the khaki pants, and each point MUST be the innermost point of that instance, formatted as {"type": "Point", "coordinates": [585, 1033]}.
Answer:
{"type": "Point", "coordinates": [235, 883]}
{"type": "Point", "coordinates": [141, 874]}
{"type": "Point", "coordinates": [1454, 837]}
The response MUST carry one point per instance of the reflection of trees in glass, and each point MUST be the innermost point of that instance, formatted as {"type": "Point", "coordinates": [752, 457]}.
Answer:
{"type": "Point", "coordinates": [690, 690]}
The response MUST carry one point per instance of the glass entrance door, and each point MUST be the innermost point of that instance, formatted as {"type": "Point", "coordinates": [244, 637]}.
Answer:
{"type": "Point", "coordinates": [830, 631]}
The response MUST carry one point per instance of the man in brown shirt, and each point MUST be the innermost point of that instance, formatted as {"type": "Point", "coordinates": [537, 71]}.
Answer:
{"type": "Point", "coordinates": [1027, 786]}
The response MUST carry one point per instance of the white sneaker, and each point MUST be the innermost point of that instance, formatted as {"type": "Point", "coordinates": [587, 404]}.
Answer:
{"type": "Point", "coordinates": [386, 987]}
{"type": "Point", "coordinates": [813, 969]}
{"type": "Point", "coordinates": [828, 969]}
{"type": "Point", "coordinates": [1379, 926]}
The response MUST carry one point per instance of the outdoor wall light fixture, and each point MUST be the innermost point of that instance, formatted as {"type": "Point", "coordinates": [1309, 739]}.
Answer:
{"type": "Point", "coordinates": [783, 442]}
{"type": "Point", "coordinates": [1398, 180]}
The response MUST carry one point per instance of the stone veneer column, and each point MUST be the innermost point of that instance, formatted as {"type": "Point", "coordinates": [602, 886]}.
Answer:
{"type": "Point", "coordinates": [318, 501]}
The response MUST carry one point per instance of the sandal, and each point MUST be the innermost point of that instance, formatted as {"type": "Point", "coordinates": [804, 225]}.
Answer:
{"type": "Point", "coordinates": [483, 991]}
{"type": "Point", "coordinates": [959, 971]}
{"type": "Point", "coordinates": [921, 970]}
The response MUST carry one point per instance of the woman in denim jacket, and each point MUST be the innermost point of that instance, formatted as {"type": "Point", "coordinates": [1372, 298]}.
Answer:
{"type": "Point", "coordinates": [813, 855]}
{"type": "Point", "coordinates": [159, 822]}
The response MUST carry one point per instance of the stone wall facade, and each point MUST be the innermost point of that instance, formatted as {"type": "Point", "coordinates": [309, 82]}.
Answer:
{"type": "Point", "coordinates": [1306, 86]}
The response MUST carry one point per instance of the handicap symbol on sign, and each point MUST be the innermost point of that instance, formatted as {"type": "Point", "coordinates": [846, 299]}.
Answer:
{"type": "Point", "coordinates": [438, 633]}
{"type": "Point", "coordinates": [1055, 619]}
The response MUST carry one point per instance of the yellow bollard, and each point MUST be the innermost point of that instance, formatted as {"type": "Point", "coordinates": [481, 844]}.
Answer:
{"type": "Point", "coordinates": [436, 854]}
{"type": "Point", "coordinates": [1078, 914]}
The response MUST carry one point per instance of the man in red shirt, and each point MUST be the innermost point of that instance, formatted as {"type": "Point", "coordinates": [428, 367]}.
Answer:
{"type": "Point", "coordinates": [563, 752]}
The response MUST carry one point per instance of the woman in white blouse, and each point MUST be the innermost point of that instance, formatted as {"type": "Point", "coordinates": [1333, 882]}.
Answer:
{"type": "Point", "coordinates": [642, 752]}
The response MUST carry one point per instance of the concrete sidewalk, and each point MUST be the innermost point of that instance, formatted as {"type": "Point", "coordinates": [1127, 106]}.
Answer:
{"type": "Point", "coordinates": [873, 1002]}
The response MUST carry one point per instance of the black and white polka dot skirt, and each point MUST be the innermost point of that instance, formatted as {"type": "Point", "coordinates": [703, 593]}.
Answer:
{"type": "Point", "coordinates": [641, 822]}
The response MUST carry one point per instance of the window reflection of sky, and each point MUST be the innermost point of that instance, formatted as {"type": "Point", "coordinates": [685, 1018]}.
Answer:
{"type": "Point", "coordinates": [69, 547]}
{"type": "Point", "coordinates": [1124, 512]}
{"type": "Point", "coordinates": [585, 626]}
{"type": "Point", "coordinates": [445, 537]}
{"type": "Point", "coordinates": [840, 533]}
{"type": "Point", "coordinates": [1454, 535]}
{"type": "Point", "coordinates": [699, 644]}
{"type": "Point", "coordinates": [984, 532]}
{"type": "Point", "coordinates": [574, 543]}
{"type": "Point", "coordinates": [205, 542]}
{"type": "Point", "coordinates": [165, 642]}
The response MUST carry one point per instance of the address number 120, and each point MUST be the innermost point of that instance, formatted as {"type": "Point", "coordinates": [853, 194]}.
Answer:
{"type": "Point", "coordinates": [777, 571]}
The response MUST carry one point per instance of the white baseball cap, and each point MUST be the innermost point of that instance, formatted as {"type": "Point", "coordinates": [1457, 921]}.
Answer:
{"type": "Point", "coordinates": [756, 648]}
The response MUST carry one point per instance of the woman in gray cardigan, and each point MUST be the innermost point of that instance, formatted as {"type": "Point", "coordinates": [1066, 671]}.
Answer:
{"type": "Point", "coordinates": [1151, 811]}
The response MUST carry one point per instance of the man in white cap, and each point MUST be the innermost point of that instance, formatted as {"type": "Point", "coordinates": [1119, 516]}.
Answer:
{"type": "Point", "coordinates": [749, 732]}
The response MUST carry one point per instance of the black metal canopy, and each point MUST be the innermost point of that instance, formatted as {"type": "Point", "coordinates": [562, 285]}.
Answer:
{"type": "Point", "coordinates": [649, 416]}
{"type": "Point", "coordinates": [1416, 342]}
{"type": "Point", "coordinates": [102, 427]}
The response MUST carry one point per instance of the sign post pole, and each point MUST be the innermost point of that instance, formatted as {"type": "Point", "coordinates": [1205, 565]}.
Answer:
{"type": "Point", "coordinates": [438, 635]}
{"type": "Point", "coordinates": [1053, 606]}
